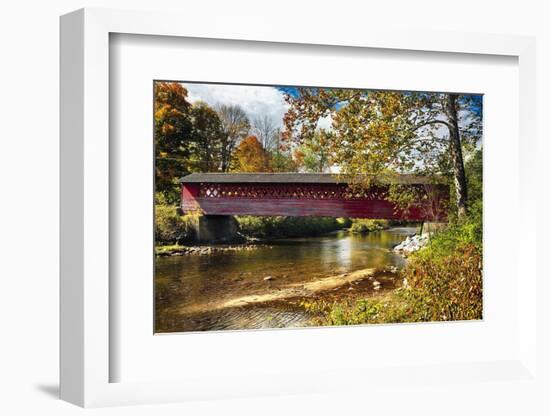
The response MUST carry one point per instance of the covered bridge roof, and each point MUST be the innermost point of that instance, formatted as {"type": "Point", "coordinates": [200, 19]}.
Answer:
{"type": "Point", "coordinates": [309, 178]}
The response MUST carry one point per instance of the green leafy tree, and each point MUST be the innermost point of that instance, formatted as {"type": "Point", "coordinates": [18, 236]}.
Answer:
{"type": "Point", "coordinates": [207, 139]}
{"type": "Point", "coordinates": [282, 162]}
{"type": "Point", "coordinates": [313, 154]}
{"type": "Point", "coordinates": [474, 175]}
{"type": "Point", "coordinates": [281, 159]}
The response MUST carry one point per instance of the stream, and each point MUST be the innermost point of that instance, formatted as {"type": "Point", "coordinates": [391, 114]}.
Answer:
{"type": "Point", "coordinates": [261, 288]}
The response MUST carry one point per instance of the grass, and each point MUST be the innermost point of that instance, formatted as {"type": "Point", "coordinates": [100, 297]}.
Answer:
{"type": "Point", "coordinates": [392, 307]}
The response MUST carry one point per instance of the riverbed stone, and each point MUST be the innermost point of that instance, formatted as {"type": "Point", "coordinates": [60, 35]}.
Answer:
{"type": "Point", "coordinates": [412, 244]}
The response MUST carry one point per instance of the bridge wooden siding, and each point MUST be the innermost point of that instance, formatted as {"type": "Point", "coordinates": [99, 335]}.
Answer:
{"type": "Point", "coordinates": [302, 194]}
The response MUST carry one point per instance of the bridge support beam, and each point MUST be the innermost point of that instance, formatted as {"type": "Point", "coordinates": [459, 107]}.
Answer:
{"type": "Point", "coordinates": [217, 229]}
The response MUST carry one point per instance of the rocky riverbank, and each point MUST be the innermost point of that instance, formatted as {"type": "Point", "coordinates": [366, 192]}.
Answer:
{"type": "Point", "coordinates": [412, 244]}
{"type": "Point", "coordinates": [177, 250]}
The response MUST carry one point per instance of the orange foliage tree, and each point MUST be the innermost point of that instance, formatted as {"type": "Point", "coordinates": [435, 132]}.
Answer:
{"type": "Point", "coordinates": [173, 127]}
{"type": "Point", "coordinates": [250, 156]}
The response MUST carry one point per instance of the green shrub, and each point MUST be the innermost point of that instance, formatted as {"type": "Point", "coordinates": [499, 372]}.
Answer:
{"type": "Point", "coordinates": [446, 287]}
{"type": "Point", "coordinates": [344, 222]}
{"type": "Point", "coordinates": [363, 226]}
{"type": "Point", "coordinates": [445, 278]}
{"type": "Point", "coordinates": [446, 241]}
{"type": "Point", "coordinates": [171, 228]}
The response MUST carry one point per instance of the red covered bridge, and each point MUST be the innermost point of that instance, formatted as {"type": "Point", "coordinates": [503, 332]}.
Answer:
{"type": "Point", "coordinates": [310, 194]}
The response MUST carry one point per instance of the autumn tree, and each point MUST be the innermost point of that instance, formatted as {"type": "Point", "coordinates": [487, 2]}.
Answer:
{"type": "Point", "coordinates": [381, 131]}
{"type": "Point", "coordinates": [173, 128]}
{"type": "Point", "coordinates": [235, 126]}
{"type": "Point", "coordinates": [250, 156]}
{"type": "Point", "coordinates": [207, 138]}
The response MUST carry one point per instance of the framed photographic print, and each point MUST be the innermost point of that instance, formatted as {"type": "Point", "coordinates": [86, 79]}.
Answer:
{"type": "Point", "coordinates": [237, 209]}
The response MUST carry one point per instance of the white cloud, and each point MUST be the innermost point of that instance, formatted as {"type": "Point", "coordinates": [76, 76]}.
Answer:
{"type": "Point", "coordinates": [255, 101]}
{"type": "Point", "coordinates": [325, 123]}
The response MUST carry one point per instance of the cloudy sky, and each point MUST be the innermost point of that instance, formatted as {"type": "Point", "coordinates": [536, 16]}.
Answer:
{"type": "Point", "coordinates": [258, 101]}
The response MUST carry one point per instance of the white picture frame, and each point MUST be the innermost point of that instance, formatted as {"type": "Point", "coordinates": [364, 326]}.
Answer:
{"type": "Point", "coordinates": [85, 211]}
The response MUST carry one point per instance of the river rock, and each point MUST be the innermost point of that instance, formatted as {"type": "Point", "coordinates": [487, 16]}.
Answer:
{"type": "Point", "coordinates": [412, 244]}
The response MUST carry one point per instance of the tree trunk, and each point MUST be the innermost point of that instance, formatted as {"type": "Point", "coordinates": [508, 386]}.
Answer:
{"type": "Point", "coordinates": [225, 157]}
{"type": "Point", "coordinates": [459, 175]}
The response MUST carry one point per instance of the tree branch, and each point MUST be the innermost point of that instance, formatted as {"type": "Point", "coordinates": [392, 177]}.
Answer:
{"type": "Point", "coordinates": [426, 123]}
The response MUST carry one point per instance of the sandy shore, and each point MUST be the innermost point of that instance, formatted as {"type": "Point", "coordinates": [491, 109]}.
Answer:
{"type": "Point", "coordinates": [286, 292]}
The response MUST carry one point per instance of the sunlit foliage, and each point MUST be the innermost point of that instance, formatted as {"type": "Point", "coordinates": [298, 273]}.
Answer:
{"type": "Point", "coordinates": [250, 156]}
{"type": "Point", "coordinates": [378, 131]}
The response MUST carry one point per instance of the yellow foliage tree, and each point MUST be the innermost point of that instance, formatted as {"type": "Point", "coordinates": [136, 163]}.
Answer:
{"type": "Point", "coordinates": [250, 156]}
